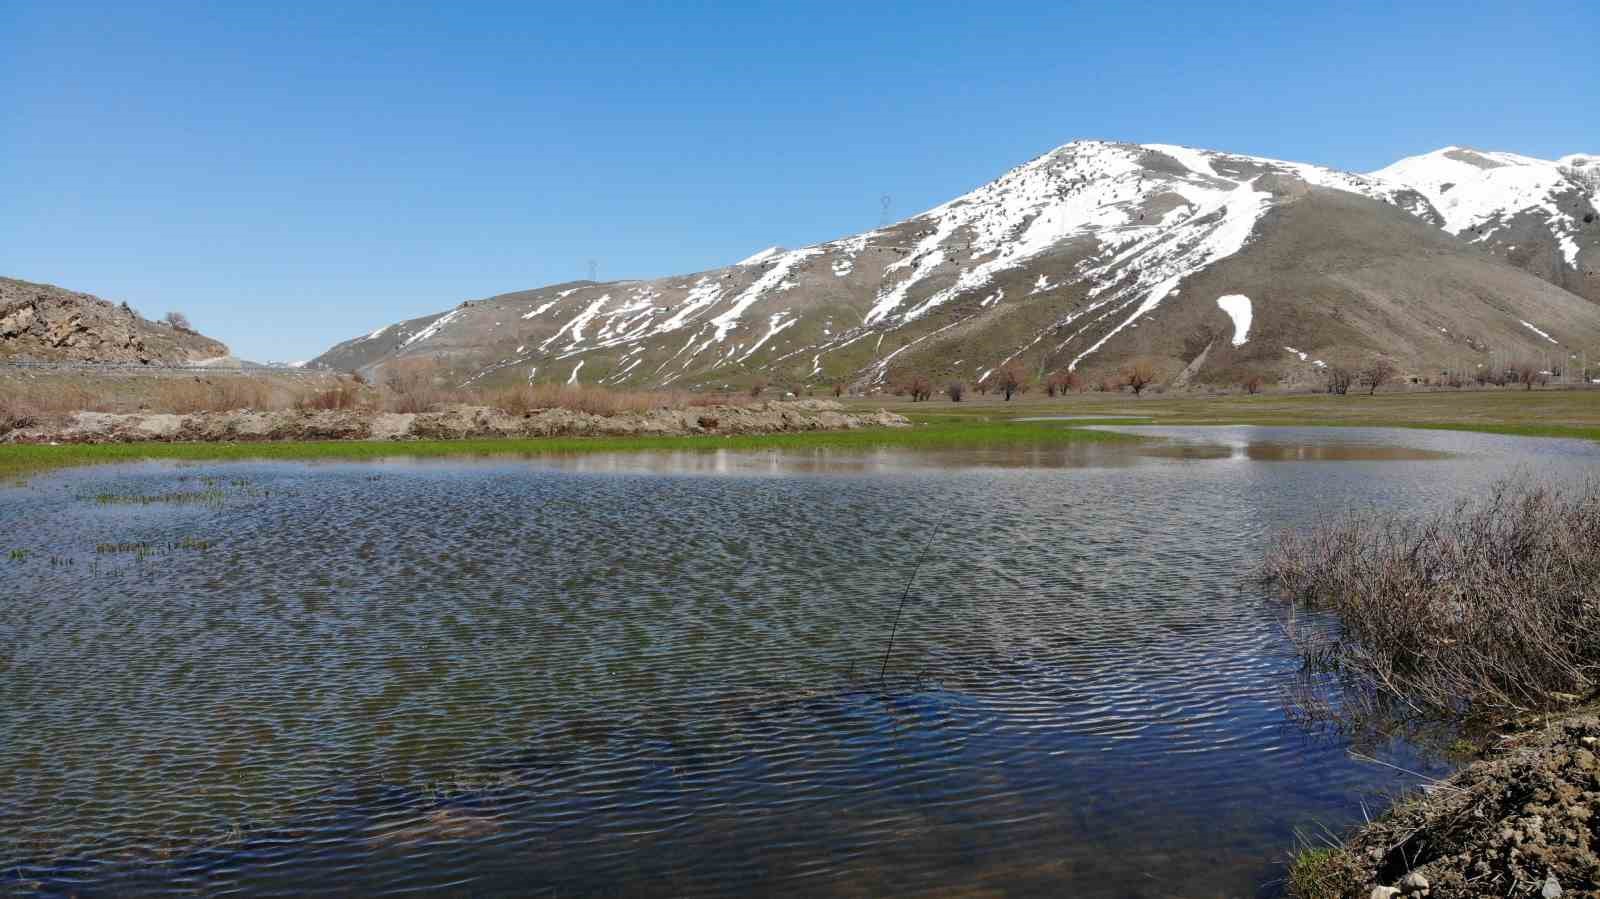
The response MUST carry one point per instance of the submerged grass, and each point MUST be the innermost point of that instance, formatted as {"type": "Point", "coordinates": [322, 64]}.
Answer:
{"type": "Point", "coordinates": [930, 432]}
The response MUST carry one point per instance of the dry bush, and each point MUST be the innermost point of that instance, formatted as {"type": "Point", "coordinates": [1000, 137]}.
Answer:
{"type": "Point", "coordinates": [343, 396]}
{"type": "Point", "coordinates": [16, 412]}
{"type": "Point", "coordinates": [178, 321]}
{"type": "Point", "coordinates": [1010, 381]}
{"type": "Point", "coordinates": [1487, 610]}
{"type": "Point", "coordinates": [594, 399]}
{"type": "Point", "coordinates": [413, 385]}
{"type": "Point", "coordinates": [1139, 374]}
{"type": "Point", "coordinates": [224, 394]}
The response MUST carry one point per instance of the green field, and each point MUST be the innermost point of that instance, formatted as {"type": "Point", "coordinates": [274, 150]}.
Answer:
{"type": "Point", "coordinates": [1537, 413]}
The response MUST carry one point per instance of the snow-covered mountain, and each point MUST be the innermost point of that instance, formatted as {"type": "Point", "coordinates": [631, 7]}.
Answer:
{"type": "Point", "coordinates": [1538, 214]}
{"type": "Point", "coordinates": [1213, 264]}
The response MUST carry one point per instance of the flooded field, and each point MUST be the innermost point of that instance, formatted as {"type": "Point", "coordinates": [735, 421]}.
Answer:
{"type": "Point", "coordinates": [645, 674]}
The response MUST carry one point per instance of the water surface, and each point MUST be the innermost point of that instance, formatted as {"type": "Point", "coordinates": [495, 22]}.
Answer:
{"type": "Point", "coordinates": [658, 673]}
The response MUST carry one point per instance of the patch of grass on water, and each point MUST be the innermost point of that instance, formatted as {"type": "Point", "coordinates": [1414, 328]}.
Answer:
{"type": "Point", "coordinates": [18, 555]}
{"type": "Point", "coordinates": [1322, 872]}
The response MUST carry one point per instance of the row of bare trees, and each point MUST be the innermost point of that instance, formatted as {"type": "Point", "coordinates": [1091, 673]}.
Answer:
{"type": "Point", "coordinates": [1011, 381]}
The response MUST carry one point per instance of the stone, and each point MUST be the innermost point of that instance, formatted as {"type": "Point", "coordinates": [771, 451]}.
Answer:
{"type": "Point", "coordinates": [1413, 883]}
{"type": "Point", "coordinates": [1551, 889]}
{"type": "Point", "coordinates": [1383, 893]}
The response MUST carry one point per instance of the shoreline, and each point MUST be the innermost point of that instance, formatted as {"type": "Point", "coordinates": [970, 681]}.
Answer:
{"type": "Point", "coordinates": [1519, 818]}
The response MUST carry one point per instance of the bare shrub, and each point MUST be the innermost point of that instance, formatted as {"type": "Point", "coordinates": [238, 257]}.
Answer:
{"type": "Point", "coordinates": [412, 385]}
{"type": "Point", "coordinates": [341, 397]}
{"type": "Point", "coordinates": [594, 399]}
{"type": "Point", "coordinates": [16, 412]}
{"type": "Point", "coordinates": [1010, 381]}
{"type": "Point", "coordinates": [178, 321]}
{"type": "Point", "coordinates": [955, 390]}
{"type": "Point", "coordinates": [1139, 374]}
{"type": "Point", "coordinates": [227, 393]}
{"type": "Point", "coordinates": [1491, 608]}
{"type": "Point", "coordinates": [1380, 371]}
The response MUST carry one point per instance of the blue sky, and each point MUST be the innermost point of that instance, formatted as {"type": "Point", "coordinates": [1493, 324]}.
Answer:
{"type": "Point", "coordinates": [290, 175]}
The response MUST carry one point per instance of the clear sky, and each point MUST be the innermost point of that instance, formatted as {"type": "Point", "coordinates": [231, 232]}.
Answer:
{"type": "Point", "coordinates": [293, 174]}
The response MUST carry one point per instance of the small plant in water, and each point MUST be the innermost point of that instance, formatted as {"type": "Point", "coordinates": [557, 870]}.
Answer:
{"type": "Point", "coordinates": [18, 555]}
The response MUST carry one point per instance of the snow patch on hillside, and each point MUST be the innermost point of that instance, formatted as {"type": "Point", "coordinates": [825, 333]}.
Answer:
{"type": "Point", "coordinates": [769, 280]}
{"type": "Point", "coordinates": [432, 329]}
{"type": "Point", "coordinates": [1237, 305]}
{"type": "Point", "coordinates": [760, 257]}
{"type": "Point", "coordinates": [1535, 330]}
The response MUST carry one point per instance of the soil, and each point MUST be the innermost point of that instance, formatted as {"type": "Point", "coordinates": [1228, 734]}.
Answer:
{"type": "Point", "coordinates": [1522, 823]}
{"type": "Point", "coordinates": [454, 422]}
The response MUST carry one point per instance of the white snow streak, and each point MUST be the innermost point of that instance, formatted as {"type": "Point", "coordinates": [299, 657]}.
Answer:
{"type": "Point", "coordinates": [1237, 305]}
{"type": "Point", "coordinates": [1538, 332]}
{"type": "Point", "coordinates": [432, 329]}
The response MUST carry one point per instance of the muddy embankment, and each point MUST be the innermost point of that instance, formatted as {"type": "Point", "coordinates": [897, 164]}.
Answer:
{"type": "Point", "coordinates": [452, 423]}
{"type": "Point", "coordinates": [1523, 822]}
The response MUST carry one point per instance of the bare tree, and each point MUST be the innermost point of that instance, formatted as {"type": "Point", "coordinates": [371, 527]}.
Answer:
{"type": "Point", "coordinates": [1380, 371]}
{"type": "Point", "coordinates": [178, 321]}
{"type": "Point", "coordinates": [1340, 379]}
{"type": "Point", "coordinates": [1139, 374]}
{"type": "Point", "coordinates": [1528, 374]}
{"type": "Point", "coordinates": [955, 390]}
{"type": "Point", "coordinates": [1010, 381]}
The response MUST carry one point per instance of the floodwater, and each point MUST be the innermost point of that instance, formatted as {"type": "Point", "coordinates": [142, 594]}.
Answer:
{"type": "Point", "coordinates": [648, 674]}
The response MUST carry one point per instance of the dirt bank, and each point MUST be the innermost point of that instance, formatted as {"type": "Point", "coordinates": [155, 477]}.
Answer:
{"type": "Point", "coordinates": [1525, 822]}
{"type": "Point", "coordinates": [454, 422]}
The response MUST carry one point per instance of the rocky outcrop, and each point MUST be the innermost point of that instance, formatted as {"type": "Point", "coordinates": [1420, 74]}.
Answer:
{"type": "Point", "coordinates": [41, 323]}
{"type": "Point", "coordinates": [453, 423]}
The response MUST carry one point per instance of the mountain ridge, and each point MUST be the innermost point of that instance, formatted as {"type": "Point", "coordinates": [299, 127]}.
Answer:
{"type": "Point", "coordinates": [1056, 264]}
